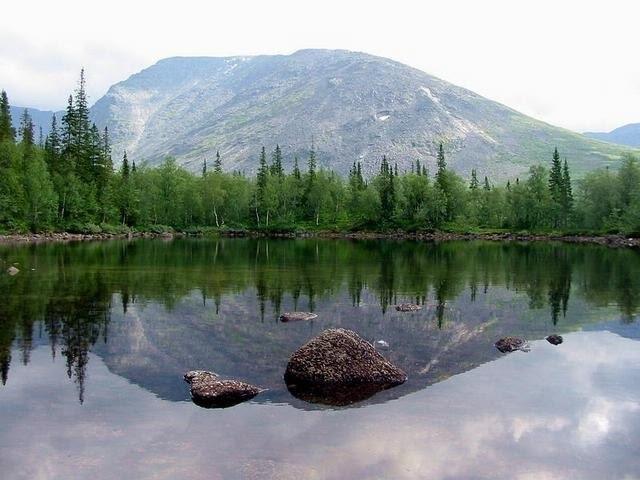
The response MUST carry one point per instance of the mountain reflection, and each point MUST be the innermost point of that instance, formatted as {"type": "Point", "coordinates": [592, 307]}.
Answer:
{"type": "Point", "coordinates": [153, 308]}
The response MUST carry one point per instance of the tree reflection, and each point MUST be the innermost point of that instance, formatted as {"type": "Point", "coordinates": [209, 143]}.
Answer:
{"type": "Point", "coordinates": [71, 290]}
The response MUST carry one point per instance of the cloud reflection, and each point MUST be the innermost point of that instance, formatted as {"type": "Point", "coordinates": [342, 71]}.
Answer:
{"type": "Point", "coordinates": [542, 415]}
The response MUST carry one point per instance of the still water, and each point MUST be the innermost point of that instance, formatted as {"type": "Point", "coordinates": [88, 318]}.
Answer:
{"type": "Point", "coordinates": [95, 337]}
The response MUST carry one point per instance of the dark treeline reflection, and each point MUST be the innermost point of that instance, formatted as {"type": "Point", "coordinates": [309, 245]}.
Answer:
{"type": "Point", "coordinates": [64, 293]}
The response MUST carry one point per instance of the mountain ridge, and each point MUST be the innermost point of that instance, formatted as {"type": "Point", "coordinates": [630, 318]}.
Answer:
{"type": "Point", "coordinates": [628, 135]}
{"type": "Point", "coordinates": [351, 105]}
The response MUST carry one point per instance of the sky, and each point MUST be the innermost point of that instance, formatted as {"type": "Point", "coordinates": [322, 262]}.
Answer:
{"type": "Point", "coordinates": [571, 63]}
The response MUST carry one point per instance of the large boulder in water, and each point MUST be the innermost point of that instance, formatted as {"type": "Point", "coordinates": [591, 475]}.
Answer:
{"type": "Point", "coordinates": [338, 367]}
{"type": "Point", "coordinates": [210, 392]}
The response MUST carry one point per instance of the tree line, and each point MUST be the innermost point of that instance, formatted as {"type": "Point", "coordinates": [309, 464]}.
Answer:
{"type": "Point", "coordinates": [67, 181]}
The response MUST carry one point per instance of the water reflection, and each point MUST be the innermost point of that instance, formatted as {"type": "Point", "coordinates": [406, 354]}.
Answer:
{"type": "Point", "coordinates": [153, 309]}
{"type": "Point", "coordinates": [552, 413]}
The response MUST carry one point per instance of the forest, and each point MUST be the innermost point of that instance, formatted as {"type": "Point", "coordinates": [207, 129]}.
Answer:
{"type": "Point", "coordinates": [66, 181]}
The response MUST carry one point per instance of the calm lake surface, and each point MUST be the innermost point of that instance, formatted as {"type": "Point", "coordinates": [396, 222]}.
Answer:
{"type": "Point", "coordinates": [95, 338]}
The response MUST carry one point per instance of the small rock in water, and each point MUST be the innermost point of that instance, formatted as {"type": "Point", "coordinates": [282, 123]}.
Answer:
{"type": "Point", "coordinates": [381, 344]}
{"type": "Point", "coordinates": [408, 307]}
{"type": "Point", "coordinates": [297, 316]}
{"type": "Point", "coordinates": [511, 344]}
{"type": "Point", "coordinates": [555, 339]}
{"type": "Point", "coordinates": [209, 392]}
{"type": "Point", "coordinates": [13, 271]}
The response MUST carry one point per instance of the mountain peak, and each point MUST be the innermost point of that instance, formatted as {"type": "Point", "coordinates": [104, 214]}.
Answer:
{"type": "Point", "coordinates": [356, 107]}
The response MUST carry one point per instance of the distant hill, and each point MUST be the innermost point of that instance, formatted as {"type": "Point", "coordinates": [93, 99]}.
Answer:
{"type": "Point", "coordinates": [626, 135]}
{"type": "Point", "coordinates": [354, 106]}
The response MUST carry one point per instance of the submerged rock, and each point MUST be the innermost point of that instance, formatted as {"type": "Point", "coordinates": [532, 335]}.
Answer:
{"type": "Point", "coordinates": [210, 392]}
{"type": "Point", "coordinates": [297, 316]}
{"type": "Point", "coordinates": [408, 307]}
{"type": "Point", "coordinates": [511, 344]}
{"type": "Point", "coordinates": [338, 367]}
{"type": "Point", "coordinates": [555, 339]}
{"type": "Point", "coordinates": [12, 271]}
{"type": "Point", "coordinates": [381, 344]}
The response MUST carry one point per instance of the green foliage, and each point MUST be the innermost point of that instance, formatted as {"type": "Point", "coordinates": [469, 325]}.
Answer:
{"type": "Point", "coordinates": [69, 183]}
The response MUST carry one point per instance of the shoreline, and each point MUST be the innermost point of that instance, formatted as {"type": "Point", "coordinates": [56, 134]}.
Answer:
{"type": "Point", "coordinates": [614, 241]}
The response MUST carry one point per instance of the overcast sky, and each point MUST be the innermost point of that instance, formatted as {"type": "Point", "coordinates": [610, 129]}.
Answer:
{"type": "Point", "coordinates": [571, 63]}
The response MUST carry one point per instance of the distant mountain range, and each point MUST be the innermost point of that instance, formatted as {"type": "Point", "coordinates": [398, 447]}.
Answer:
{"type": "Point", "coordinates": [352, 106]}
{"type": "Point", "coordinates": [626, 135]}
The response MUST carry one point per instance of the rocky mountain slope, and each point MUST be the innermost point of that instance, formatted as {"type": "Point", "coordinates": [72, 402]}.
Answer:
{"type": "Point", "coordinates": [353, 106]}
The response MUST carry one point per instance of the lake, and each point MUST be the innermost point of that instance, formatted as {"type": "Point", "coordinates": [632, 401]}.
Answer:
{"type": "Point", "coordinates": [95, 338]}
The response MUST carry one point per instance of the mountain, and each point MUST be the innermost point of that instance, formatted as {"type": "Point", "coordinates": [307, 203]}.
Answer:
{"type": "Point", "coordinates": [353, 106]}
{"type": "Point", "coordinates": [626, 135]}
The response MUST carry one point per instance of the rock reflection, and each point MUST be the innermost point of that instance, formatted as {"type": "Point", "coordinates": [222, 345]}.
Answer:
{"type": "Point", "coordinates": [145, 306]}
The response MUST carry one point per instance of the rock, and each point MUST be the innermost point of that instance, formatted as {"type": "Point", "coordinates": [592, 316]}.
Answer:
{"type": "Point", "coordinates": [381, 344]}
{"type": "Point", "coordinates": [12, 271]}
{"type": "Point", "coordinates": [297, 316]}
{"type": "Point", "coordinates": [209, 392]}
{"type": "Point", "coordinates": [555, 339]}
{"type": "Point", "coordinates": [408, 307]}
{"type": "Point", "coordinates": [511, 344]}
{"type": "Point", "coordinates": [338, 367]}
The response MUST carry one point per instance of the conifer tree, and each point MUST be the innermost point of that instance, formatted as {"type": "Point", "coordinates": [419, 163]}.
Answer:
{"type": "Point", "coordinates": [567, 190]}
{"type": "Point", "coordinates": [442, 167]}
{"type": "Point", "coordinates": [52, 147]}
{"type": "Point", "coordinates": [296, 168]}
{"type": "Point", "coordinates": [276, 165]}
{"type": "Point", "coordinates": [7, 132]}
{"type": "Point", "coordinates": [26, 129]}
{"type": "Point", "coordinates": [555, 178]}
{"type": "Point", "coordinates": [124, 168]}
{"type": "Point", "coordinates": [473, 185]}
{"type": "Point", "coordinates": [217, 167]}
{"type": "Point", "coordinates": [487, 187]}
{"type": "Point", "coordinates": [204, 168]}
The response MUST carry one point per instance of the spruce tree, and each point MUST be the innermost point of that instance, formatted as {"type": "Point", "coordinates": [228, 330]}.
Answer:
{"type": "Point", "coordinates": [52, 147]}
{"type": "Point", "coordinates": [567, 190]}
{"type": "Point", "coordinates": [442, 166]}
{"type": "Point", "coordinates": [276, 165]}
{"type": "Point", "coordinates": [473, 185]}
{"type": "Point", "coordinates": [296, 168]}
{"type": "Point", "coordinates": [555, 178]}
{"type": "Point", "coordinates": [487, 187]}
{"type": "Point", "coordinates": [26, 129]}
{"type": "Point", "coordinates": [7, 132]}
{"type": "Point", "coordinates": [204, 168]}
{"type": "Point", "coordinates": [217, 167]}
{"type": "Point", "coordinates": [124, 169]}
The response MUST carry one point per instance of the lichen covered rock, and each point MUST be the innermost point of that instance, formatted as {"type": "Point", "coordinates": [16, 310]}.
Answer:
{"type": "Point", "coordinates": [511, 344]}
{"type": "Point", "coordinates": [297, 316]}
{"type": "Point", "coordinates": [555, 339]}
{"type": "Point", "coordinates": [408, 307]}
{"type": "Point", "coordinates": [338, 367]}
{"type": "Point", "coordinates": [210, 392]}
